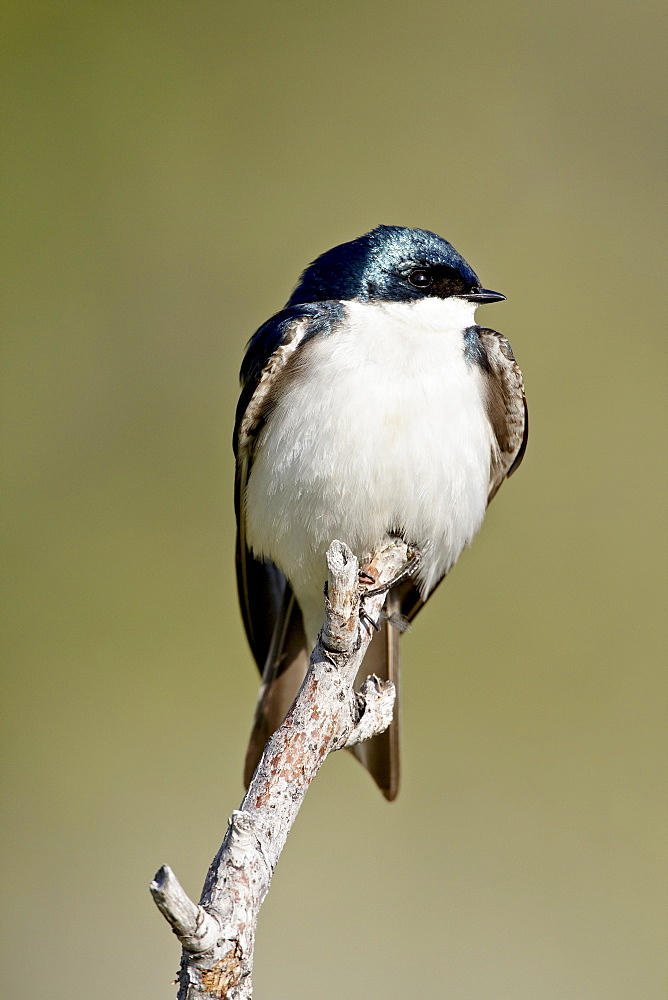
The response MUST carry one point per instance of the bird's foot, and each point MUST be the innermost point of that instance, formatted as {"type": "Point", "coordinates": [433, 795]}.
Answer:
{"type": "Point", "coordinates": [415, 557]}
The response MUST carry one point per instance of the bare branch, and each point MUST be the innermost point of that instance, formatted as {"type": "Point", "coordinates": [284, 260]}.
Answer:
{"type": "Point", "coordinates": [218, 936]}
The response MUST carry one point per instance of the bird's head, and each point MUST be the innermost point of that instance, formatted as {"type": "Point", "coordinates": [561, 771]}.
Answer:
{"type": "Point", "coordinates": [391, 264]}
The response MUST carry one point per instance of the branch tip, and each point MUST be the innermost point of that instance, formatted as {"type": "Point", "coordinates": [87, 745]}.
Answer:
{"type": "Point", "coordinates": [196, 929]}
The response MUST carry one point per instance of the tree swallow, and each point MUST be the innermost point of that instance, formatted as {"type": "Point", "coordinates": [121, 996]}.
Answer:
{"type": "Point", "coordinates": [370, 405]}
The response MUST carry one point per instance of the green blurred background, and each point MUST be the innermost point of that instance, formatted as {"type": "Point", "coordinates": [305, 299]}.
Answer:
{"type": "Point", "coordinates": [171, 167]}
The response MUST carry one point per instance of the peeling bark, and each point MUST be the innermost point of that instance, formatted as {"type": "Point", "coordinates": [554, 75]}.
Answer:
{"type": "Point", "coordinates": [218, 935]}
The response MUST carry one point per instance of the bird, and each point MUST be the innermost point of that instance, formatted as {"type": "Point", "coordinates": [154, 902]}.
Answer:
{"type": "Point", "coordinates": [371, 405]}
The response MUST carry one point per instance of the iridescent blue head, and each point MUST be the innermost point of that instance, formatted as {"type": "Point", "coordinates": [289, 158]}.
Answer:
{"type": "Point", "coordinates": [391, 264]}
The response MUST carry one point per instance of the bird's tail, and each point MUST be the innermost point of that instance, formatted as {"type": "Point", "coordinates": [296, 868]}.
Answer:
{"type": "Point", "coordinates": [284, 672]}
{"type": "Point", "coordinates": [381, 754]}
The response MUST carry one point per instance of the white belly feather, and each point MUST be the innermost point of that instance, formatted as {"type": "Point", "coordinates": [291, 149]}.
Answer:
{"type": "Point", "coordinates": [384, 429]}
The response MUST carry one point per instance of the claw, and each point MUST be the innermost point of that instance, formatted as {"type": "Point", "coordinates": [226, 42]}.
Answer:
{"type": "Point", "coordinates": [366, 617]}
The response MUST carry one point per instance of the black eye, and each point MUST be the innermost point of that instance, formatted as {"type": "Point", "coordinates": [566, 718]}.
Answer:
{"type": "Point", "coordinates": [420, 278]}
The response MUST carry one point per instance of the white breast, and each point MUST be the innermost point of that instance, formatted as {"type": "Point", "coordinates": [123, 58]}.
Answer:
{"type": "Point", "coordinates": [384, 428]}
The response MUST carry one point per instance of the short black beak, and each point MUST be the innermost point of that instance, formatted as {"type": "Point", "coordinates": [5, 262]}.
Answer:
{"type": "Point", "coordinates": [483, 295]}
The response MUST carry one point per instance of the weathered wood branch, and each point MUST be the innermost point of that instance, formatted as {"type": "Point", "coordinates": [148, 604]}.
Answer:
{"type": "Point", "coordinates": [218, 936]}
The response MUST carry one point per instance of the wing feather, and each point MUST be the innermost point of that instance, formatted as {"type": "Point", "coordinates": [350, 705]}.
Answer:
{"type": "Point", "coordinates": [506, 407]}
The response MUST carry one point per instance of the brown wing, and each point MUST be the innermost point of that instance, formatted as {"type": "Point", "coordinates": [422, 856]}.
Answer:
{"type": "Point", "coordinates": [506, 407]}
{"type": "Point", "coordinates": [285, 668]}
